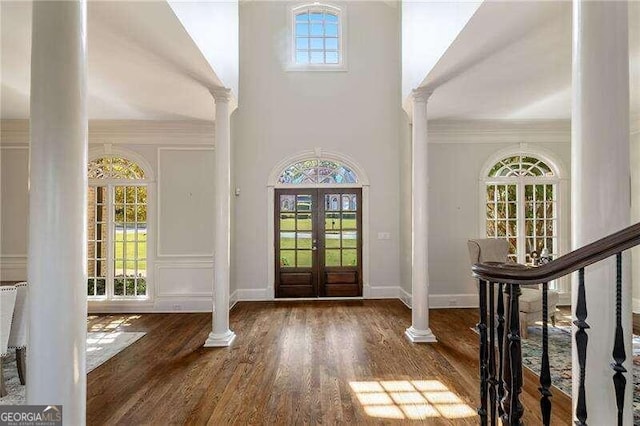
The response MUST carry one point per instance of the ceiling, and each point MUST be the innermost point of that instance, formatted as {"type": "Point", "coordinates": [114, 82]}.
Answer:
{"type": "Point", "coordinates": [513, 61]}
{"type": "Point", "coordinates": [142, 64]}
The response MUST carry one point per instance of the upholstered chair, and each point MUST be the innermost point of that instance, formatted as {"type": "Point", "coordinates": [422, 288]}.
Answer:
{"type": "Point", "coordinates": [7, 303]}
{"type": "Point", "coordinates": [497, 250]}
{"type": "Point", "coordinates": [18, 334]}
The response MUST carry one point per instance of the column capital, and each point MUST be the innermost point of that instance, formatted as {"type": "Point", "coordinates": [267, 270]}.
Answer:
{"type": "Point", "coordinates": [421, 94]}
{"type": "Point", "coordinates": [221, 94]}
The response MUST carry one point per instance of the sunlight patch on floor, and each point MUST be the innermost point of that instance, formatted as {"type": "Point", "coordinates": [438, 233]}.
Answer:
{"type": "Point", "coordinates": [110, 325]}
{"type": "Point", "coordinates": [414, 400]}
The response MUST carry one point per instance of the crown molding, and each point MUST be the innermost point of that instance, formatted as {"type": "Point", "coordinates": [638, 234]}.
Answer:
{"type": "Point", "coordinates": [499, 131]}
{"type": "Point", "coordinates": [131, 132]}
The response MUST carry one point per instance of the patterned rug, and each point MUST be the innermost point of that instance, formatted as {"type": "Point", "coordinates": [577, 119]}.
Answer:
{"type": "Point", "coordinates": [100, 348]}
{"type": "Point", "coordinates": [560, 360]}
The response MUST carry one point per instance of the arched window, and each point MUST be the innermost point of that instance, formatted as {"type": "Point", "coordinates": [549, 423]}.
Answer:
{"type": "Point", "coordinates": [521, 205]}
{"type": "Point", "coordinates": [318, 172]}
{"type": "Point", "coordinates": [117, 229]}
{"type": "Point", "coordinates": [317, 35]}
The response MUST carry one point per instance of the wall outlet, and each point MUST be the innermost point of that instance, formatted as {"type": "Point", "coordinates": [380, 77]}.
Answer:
{"type": "Point", "coordinates": [384, 235]}
{"type": "Point", "coordinates": [453, 302]}
{"type": "Point", "coordinates": [177, 307]}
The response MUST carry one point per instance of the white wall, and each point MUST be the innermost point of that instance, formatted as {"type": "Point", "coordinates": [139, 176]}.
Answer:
{"type": "Point", "coordinates": [180, 157]}
{"type": "Point", "coordinates": [457, 153]}
{"type": "Point", "coordinates": [282, 113]}
{"type": "Point", "coordinates": [14, 202]}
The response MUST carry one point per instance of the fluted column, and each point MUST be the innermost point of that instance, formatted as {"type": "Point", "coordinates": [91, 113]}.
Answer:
{"type": "Point", "coordinates": [56, 369]}
{"type": "Point", "coordinates": [221, 335]}
{"type": "Point", "coordinates": [419, 331]}
{"type": "Point", "coordinates": [600, 189]}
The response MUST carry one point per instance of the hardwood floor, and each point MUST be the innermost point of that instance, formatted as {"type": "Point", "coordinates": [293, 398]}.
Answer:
{"type": "Point", "coordinates": [296, 362]}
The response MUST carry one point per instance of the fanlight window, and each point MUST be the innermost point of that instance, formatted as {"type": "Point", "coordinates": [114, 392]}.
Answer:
{"type": "Point", "coordinates": [521, 206]}
{"type": "Point", "coordinates": [114, 168]}
{"type": "Point", "coordinates": [317, 171]}
{"type": "Point", "coordinates": [520, 165]}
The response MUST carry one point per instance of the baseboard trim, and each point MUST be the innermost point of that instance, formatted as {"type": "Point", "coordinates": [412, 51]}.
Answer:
{"type": "Point", "coordinates": [405, 297]}
{"type": "Point", "coordinates": [387, 292]}
{"type": "Point", "coordinates": [441, 301]}
{"type": "Point", "coordinates": [233, 299]}
{"type": "Point", "coordinates": [259, 294]}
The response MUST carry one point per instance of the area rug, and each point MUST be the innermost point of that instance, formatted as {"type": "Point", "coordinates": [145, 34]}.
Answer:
{"type": "Point", "coordinates": [100, 348]}
{"type": "Point", "coordinates": [560, 360]}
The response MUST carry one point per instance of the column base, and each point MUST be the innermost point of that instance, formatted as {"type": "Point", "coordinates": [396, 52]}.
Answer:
{"type": "Point", "coordinates": [220, 340]}
{"type": "Point", "coordinates": [420, 336]}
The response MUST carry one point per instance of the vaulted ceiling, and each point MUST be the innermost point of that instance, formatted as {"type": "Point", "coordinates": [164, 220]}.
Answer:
{"type": "Point", "coordinates": [513, 61]}
{"type": "Point", "coordinates": [142, 64]}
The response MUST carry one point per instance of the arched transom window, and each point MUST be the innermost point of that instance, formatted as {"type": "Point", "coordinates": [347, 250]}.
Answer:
{"type": "Point", "coordinates": [521, 205]}
{"type": "Point", "coordinates": [117, 229]}
{"type": "Point", "coordinates": [317, 171]}
{"type": "Point", "coordinates": [317, 35]}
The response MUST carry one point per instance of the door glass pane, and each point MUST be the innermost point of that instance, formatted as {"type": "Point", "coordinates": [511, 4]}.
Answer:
{"type": "Point", "coordinates": [349, 202]}
{"type": "Point", "coordinates": [287, 240]}
{"type": "Point", "coordinates": [287, 258]}
{"type": "Point", "coordinates": [287, 203]}
{"type": "Point", "coordinates": [304, 240]}
{"type": "Point", "coordinates": [349, 221]}
{"type": "Point", "coordinates": [304, 222]}
{"type": "Point", "coordinates": [332, 257]}
{"type": "Point", "coordinates": [332, 220]}
{"type": "Point", "coordinates": [332, 202]}
{"type": "Point", "coordinates": [349, 257]}
{"type": "Point", "coordinates": [304, 202]}
{"type": "Point", "coordinates": [332, 239]}
{"type": "Point", "coordinates": [350, 239]}
{"type": "Point", "coordinates": [304, 258]}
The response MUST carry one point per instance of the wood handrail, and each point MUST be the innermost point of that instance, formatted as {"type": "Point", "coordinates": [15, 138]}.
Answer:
{"type": "Point", "coordinates": [511, 273]}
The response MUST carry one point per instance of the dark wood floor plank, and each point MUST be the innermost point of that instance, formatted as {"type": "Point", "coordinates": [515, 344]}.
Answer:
{"type": "Point", "coordinates": [292, 362]}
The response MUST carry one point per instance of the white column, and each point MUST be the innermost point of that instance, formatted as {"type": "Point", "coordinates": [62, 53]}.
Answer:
{"type": "Point", "coordinates": [221, 335]}
{"type": "Point", "coordinates": [600, 189]}
{"type": "Point", "coordinates": [419, 331]}
{"type": "Point", "coordinates": [56, 371]}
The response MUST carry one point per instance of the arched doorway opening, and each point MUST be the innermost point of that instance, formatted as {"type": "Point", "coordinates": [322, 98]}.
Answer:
{"type": "Point", "coordinates": [318, 204]}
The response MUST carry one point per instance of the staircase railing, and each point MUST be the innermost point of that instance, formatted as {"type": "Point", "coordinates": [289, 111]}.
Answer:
{"type": "Point", "coordinates": [501, 384]}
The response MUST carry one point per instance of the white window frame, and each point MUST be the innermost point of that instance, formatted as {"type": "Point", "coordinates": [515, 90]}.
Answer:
{"type": "Point", "coordinates": [341, 13]}
{"type": "Point", "coordinates": [561, 181]}
{"type": "Point", "coordinates": [110, 184]}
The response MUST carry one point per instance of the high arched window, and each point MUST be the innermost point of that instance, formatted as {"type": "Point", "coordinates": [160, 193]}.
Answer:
{"type": "Point", "coordinates": [117, 229]}
{"type": "Point", "coordinates": [317, 35]}
{"type": "Point", "coordinates": [318, 172]}
{"type": "Point", "coordinates": [521, 205]}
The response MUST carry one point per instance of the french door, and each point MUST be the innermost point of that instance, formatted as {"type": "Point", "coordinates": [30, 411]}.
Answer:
{"type": "Point", "coordinates": [318, 242]}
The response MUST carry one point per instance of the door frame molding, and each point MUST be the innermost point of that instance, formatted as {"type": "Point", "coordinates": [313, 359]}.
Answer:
{"type": "Point", "coordinates": [272, 184]}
